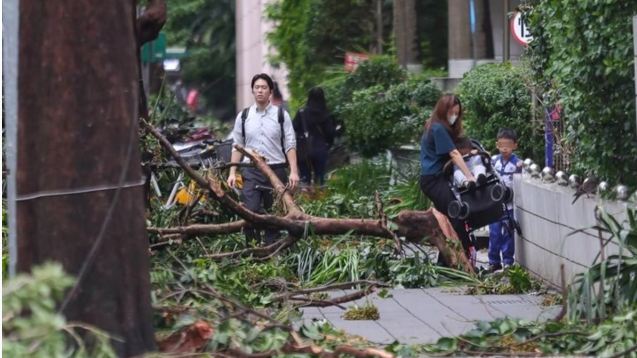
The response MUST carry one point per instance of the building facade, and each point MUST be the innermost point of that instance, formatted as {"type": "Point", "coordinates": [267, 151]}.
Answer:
{"type": "Point", "coordinates": [461, 54]}
{"type": "Point", "coordinates": [253, 50]}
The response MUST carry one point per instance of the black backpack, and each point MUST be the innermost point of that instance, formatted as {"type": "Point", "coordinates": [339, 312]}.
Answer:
{"type": "Point", "coordinates": [244, 116]}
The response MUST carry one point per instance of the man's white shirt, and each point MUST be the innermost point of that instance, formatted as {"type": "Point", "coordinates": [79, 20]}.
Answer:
{"type": "Point", "coordinates": [263, 133]}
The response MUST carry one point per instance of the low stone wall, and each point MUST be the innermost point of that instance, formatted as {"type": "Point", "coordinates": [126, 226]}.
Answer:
{"type": "Point", "coordinates": [547, 218]}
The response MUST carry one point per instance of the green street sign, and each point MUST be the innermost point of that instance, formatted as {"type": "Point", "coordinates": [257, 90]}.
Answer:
{"type": "Point", "coordinates": [154, 51]}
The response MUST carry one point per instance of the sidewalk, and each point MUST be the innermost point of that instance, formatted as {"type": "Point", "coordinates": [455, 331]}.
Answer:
{"type": "Point", "coordinates": [414, 316]}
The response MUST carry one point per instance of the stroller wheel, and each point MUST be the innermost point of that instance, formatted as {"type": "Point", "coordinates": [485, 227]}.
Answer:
{"type": "Point", "coordinates": [454, 209]}
{"type": "Point", "coordinates": [464, 211]}
{"type": "Point", "coordinates": [497, 192]}
{"type": "Point", "coordinates": [508, 195]}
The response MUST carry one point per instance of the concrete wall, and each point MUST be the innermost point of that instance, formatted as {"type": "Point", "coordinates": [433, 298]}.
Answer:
{"type": "Point", "coordinates": [547, 217]}
{"type": "Point", "coordinates": [253, 49]}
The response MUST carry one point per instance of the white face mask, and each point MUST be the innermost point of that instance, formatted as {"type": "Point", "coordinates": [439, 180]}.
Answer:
{"type": "Point", "coordinates": [452, 120]}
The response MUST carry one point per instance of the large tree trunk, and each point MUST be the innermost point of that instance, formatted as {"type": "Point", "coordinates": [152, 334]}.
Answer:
{"type": "Point", "coordinates": [405, 29]}
{"type": "Point", "coordinates": [77, 143]}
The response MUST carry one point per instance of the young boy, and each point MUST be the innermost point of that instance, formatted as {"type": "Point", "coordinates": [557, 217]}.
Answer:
{"type": "Point", "coordinates": [501, 239]}
{"type": "Point", "coordinates": [474, 163]}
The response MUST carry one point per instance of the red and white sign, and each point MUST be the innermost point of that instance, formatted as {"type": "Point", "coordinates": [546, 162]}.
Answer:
{"type": "Point", "coordinates": [520, 30]}
{"type": "Point", "coordinates": [352, 60]}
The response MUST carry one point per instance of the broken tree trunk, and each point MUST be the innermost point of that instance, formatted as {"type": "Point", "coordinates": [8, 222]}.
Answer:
{"type": "Point", "coordinates": [78, 177]}
{"type": "Point", "coordinates": [415, 226]}
{"type": "Point", "coordinates": [439, 232]}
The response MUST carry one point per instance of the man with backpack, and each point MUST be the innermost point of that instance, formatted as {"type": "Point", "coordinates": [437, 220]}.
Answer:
{"type": "Point", "coordinates": [267, 130]}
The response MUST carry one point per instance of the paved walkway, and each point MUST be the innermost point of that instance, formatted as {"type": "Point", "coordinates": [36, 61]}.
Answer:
{"type": "Point", "coordinates": [414, 316]}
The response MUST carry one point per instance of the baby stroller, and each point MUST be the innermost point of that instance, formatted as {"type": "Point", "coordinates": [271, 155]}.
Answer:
{"type": "Point", "coordinates": [483, 204]}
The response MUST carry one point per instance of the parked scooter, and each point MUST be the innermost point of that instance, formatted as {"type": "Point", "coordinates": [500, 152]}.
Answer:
{"type": "Point", "coordinates": [199, 147]}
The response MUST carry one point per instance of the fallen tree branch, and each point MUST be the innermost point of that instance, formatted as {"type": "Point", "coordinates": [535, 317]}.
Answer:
{"type": "Point", "coordinates": [200, 229]}
{"type": "Point", "coordinates": [413, 225]}
{"type": "Point", "coordinates": [436, 228]}
{"type": "Point", "coordinates": [335, 301]}
{"type": "Point", "coordinates": [292, 208]}
{"type": "Point", "coordinates": [212, 292]}
{"type": "Point", "coordinates": [168, 242]}
{"type": "Point", "coordinates": [564, 310]}
{"type": "Point", "coordinates": [315, 351]}
{"type": "Point", "coordinates": [264, 253]}
{"type": "Point", "coordinates": [336, 286]}
{"type": "Point", "coordinates": [203, 212]}
{"type": "Point", "coordinates": [382, 217]}
{"type": "Point", "coordinates": [184, 213]}
{"type": "Point", "coordinates": [313, 302]}
{"type": "Point", "coordinates": [173, 309]}
{"type": "Point", "coordinates": [344, 299]}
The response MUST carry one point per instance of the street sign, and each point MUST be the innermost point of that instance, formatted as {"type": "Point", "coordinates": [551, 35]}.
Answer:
{"type": "Point", "coordinates": [154, 51]}
{"type": "Point", "coordinates": [352, 60]}
{"type": "Point", "coordinates": [520, 30]}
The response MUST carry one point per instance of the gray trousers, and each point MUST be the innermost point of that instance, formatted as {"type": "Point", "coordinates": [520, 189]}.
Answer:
{"type": "Point", "coordinates": [257, 197]}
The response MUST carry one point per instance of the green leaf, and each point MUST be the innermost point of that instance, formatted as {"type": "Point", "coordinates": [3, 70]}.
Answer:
{"type": "Point", "coordinates": [312, 333]}
{"type": "Point", "coordinates": [447, 344]}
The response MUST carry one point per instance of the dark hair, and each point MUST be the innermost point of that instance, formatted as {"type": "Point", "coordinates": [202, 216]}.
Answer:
{"type": "Point", "coordinates": [263, 76]}
{"type": "Point", "coordinates": [316, 99]}
{"type": "Point", "coordinates": [507, 133]}
{"type": "Point", "coordinates": [276, 92]}
{"type": "Point", "coordinates": [463, 143]}
{"type": "Point", "coordinates": [439, 115]}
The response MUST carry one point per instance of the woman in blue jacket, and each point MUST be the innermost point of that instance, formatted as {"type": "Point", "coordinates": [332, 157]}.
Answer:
{"type": "Point", "coordinates": [441, 130]}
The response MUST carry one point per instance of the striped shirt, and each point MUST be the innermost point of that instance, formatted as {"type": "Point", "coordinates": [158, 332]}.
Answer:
{"type": "Point", "coordinates": [263, 133]}
{"type": "Point", "coordinates": [506, 171]}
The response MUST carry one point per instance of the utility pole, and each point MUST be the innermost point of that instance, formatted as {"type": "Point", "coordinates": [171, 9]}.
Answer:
{"type": "Point", "coordinates": [635, 51]}
{"type": "Point", "coordinates": [79, 184]}
{"type": "Point", "coordinates": [506, 32]}
{"type": "Point", "coordinates": [10, 11]}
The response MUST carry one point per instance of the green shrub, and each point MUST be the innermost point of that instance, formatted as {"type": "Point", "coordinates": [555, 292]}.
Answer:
{"type": "Point", "coordinates": [339, 86]}
{"type": "Point", "coordinates": [379, 119]}
{"type": "Point", "coordinates": [382, 71]}
{"type": "Point", "coordinates": [584, 49]}
{"type": "Point", "coordinates": [494, 96]}
{"type": "Point", "coordinates": [31, 326]}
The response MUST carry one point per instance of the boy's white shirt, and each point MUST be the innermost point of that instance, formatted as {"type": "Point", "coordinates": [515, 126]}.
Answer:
{"type": "Point", "coordinates": [506, 171]}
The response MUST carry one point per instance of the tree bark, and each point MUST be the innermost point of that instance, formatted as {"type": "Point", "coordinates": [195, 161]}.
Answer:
{"type": "Point", "coordinates": [434, 226]}
{"type": "Point", "coordinates": [77, 139]}
{"type": "Point", "coordinates": [150, 23]}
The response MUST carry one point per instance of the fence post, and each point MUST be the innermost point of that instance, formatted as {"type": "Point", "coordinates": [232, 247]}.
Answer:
{"type": "Point", "coordinates": [548, 135]}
